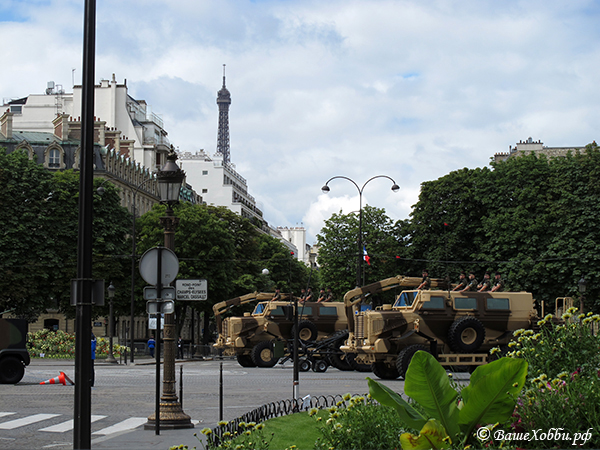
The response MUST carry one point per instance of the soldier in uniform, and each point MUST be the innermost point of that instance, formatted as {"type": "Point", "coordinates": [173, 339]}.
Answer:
{"type": "Point", "coordinates": [498, 283]}
{"type": "Point", "coordinates": [302, 295]}
{"type": "Point", "coordinates": [462, 282]}
{"type": "Point", "coordinates": [329, 297]}
{"type": "Point", "coordinates": [309, 295]}
{"type": "Point", "coordinates": [486, 284]}
{"type": "Point", "coordinates": [472, 286]}
{"type": "Point", "coordinates": [277, 295]}
{"type": "Point", "coordinates": [426, 283]}
{"type": "Point", "coordinates": [321, 296]}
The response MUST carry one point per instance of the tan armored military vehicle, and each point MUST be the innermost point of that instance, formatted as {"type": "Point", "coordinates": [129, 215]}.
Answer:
{"type": "Point", "coordinates": [459, 328]}
{"type": "Point", "coordinates": [251, 338]}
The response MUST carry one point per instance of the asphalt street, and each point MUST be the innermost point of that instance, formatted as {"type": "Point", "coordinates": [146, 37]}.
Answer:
{"type": "Point", "coordinates": [36, 416]}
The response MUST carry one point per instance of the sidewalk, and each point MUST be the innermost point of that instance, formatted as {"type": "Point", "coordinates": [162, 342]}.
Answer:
{"type": "Point", "coordinates": [147, 439]}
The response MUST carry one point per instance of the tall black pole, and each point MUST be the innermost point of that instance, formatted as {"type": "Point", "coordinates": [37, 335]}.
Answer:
{"type": "Point", "coordinates": [83, 349]}
{"type": "Point", "coordinates": [360, 247]}
{"type": "Point", "coordinates": [131, 336]}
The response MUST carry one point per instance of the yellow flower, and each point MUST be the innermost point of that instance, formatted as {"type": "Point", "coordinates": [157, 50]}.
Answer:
{"type": "Point", "coordinates": [347, 397]}
{"type": "Point", "coordinates": [548, 317]}
{"type": "Point", "coordinates": [581, 316]}
{"type": "Point", "coordinates": [494, 351]}
{"type": "Point", "coordinates": [512, 344]}
{"type": "Point", "coordinates": [206, 431]}
{"type": "Point", "coordinates": [222, 423]}
{"type": "Point", "coordinates": [518, 332]}
{"type": "Point", "coordinates": [527, 332]}
{"type": "Point", "coordinates": [313, 411]}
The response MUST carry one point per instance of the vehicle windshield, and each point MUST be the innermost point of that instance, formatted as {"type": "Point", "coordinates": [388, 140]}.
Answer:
{"type": "Point", "coordinates": [406, 298]}
{"type": "Point", "coordinates": [259, 309]}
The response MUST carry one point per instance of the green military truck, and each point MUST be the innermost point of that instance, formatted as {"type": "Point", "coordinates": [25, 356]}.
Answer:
{"type": "Point", "coordinates": [256, 337]}
{"type": "Point", "coordinates": [13, 350]}
{"type": "Point", "coordinates": [459, 328]}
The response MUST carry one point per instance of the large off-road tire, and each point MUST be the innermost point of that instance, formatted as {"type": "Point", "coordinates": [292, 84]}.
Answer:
{"type": "Point", "coordinates": [405, 356]}
{"type": "Point", "coordinates": [263, 355]}
{"type": "Point", "coordinates": [466, 334]}
{"type": "Point", "coordinates": [307, 331]}
{"type": "Point", "coordinates": [351, 358]}
{"type": "Point", "coordinates": [304, 365]}
{"type": "Point", "coordinates": [384, 371]}
{"type": "Point", "coordinates": [337, 358]}
{"type": "Point", "coordinates": [245, 360]}
{"type": "Point", "coordinates": [11, 370]}
{"type": "Point", "coordinates": [320, 365]}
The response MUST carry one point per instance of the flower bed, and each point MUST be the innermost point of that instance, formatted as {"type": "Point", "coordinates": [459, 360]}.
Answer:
{"type": "Point", "coordinates": [58, 344]}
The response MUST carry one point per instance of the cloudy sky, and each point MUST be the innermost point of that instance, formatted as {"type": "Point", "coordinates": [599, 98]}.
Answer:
{"type": "Point", "coordinates": [409, 89]}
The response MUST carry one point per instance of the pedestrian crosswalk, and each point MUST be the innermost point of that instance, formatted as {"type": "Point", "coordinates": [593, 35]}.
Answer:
{"type": "Point", "coordinates": [42, 419]}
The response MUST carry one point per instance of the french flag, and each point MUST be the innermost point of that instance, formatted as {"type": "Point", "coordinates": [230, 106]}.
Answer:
{"type": "Point", "coordinates": [366, 256]}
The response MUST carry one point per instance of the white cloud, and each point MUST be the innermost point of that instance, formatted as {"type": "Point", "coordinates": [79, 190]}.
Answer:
{"type": "Point", "coordinates": [404, 88]}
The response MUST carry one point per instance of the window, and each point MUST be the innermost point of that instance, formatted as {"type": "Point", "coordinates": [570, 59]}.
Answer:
{"type": "Point", "coordinates": [305, 310]}
{"type": "Point", "coordinates": [204, 191]}
{"type": "Point", "coordinates": [205, 172]}
{"type": "Point", "coordinates": [465, 303]}
{"type": "Point", "coordinates": [328, 311]}
{"type": "Point", "coordinates": [434, 303]}
{"type": "Point", "coordinates": [497, 303]}
{"type": "Point", "coordinates": [16, 109]}
{"type": "Point", "coordinates": [405, 299]}
{"type": "Point", "coordinates": [277, 311]}
{"type": "Point", "coordinates": [54, 159]}
{"type": "Point", "coordinates": [259, 308]}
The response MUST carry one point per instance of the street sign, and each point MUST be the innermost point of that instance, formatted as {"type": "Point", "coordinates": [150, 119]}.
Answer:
{"type": "Point", "coordinates": [152, 323]}
{"type": "Point", "coordinates": [193, 290]}
{"type": "Point", "coordinates": [149, 266]}
{"type": "Point", "coordinates": [167, 307]}
{"type": "Point", "coordinates": [167, 293]}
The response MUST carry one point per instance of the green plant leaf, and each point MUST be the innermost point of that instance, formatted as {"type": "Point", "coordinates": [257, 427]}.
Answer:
{"type": "Point", "coordinates": [490, 397]}
{"type": "Point", "coordinates": [384, 395]}
{"type": "Point", "coordinates": [427, 383]}
{"type": "Point", "coordinates": [431, 437]}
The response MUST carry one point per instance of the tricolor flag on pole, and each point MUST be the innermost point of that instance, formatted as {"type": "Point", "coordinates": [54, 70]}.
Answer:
{"type": "Point", "coordinates": [366, 257]}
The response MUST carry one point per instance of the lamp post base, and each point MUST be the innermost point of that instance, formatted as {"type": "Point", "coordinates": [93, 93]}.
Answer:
{"type": "Point", "coordinates": [111, 359]}
{"type": "Point", "coordinates": [172, 417]}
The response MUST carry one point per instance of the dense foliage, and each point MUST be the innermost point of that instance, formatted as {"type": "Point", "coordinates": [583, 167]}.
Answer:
{"type": "Point", "coordinates": [563, 386]}
{"type": "Point", "coordinates": [532, 218]}
{"type": "Point", "coordinates": [215, 244]}
{"type": "Point", "coordinates": [338, 252]}
{"type": "Point", "coordinates": [38, 244]}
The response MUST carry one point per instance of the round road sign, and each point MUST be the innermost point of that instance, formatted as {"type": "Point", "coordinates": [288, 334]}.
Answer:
{"type": "Point", "coordinates": [149, 266]}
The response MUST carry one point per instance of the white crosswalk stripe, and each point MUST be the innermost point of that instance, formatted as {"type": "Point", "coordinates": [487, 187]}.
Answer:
{"type": "Point", "coordinates": [12, 424]}
{"type": "Point", "coordinates": [124, 425]}
{"type": "Point", "coordinates": [128, 424]}
{"type": "Point", "coordinates": [66, 426]}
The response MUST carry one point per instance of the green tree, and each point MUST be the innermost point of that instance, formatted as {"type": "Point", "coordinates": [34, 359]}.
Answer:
{"type": "Point", "coordinates": [38, 244]}
{"type": "Point", "coordinates": [225, 249]}
{"type": "Point", "coordinates": [339, 249]}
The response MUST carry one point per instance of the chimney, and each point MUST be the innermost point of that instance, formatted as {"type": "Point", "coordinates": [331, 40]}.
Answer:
{"type": "Point", "coordinates": [6, 125]}
{"type": "Point", "coordinates": [61, 127]}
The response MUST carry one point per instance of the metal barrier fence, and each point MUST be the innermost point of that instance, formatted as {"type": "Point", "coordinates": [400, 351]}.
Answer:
{"type": "Point", "coordinates": [271, 410]}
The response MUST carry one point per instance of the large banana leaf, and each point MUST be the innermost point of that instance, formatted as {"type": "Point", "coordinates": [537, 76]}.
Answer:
{"type": "Point", "coordinates": [426, 382]}
{"type": "Point", "coordinates": [384, 395]}
{"type": "Point", "coordinates": [491, 395]}
{"type": "Point", "coordinates": [431, 437]}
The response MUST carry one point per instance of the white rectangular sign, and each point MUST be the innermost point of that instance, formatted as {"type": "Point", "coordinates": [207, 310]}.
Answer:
{"type": "Point", "coordinates": [193, 290]}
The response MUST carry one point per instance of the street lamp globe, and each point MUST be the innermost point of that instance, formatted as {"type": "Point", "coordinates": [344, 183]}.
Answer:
{"type": "Point", "coordinates": [582, 285]}
{"type": "Point", "coordinates": [265, 271]}
{"type": "Point", "coordinates": [325, 189]}
{"type": "Point", "coordinates": [111, 290]}
{"type": "Point", "coordinates": [170, 178]}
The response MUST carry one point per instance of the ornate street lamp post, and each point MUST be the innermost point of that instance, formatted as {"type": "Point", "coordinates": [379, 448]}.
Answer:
{"type": "Point", "coordinates": [325, 189]}
{"type": "Point", "coordinates": [170, 179]}
{"type": "Point", "coordinates": [111, 324]}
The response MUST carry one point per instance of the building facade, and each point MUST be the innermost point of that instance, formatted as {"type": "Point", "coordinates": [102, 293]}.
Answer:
{"type": "Point", "coordinates": [139, 134]}
{"type": "Point", "coordinates": [537, 147]}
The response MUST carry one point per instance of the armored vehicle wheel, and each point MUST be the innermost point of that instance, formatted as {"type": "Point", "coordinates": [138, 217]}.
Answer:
{"type": "Point", "coordinates": [304, 365]}
{"type": "Point", "coordinates": [245, 360]}
{"type": "Point", "coordinates": [466, 334]}
{"type": "Point", "coordinates": [262, 354]}
{"type": "Point", "coordinates": [405, 356]}
{"type": "Point", "coordinates": [384, 371]}
{"type": "Point", "coordinates": [320, 365]}
{"type": "Point", "coordinates": [337, 358]}
{"type": "Point", "coordinates": [11, 370]}
{"type": "Point", "coordinates": [307, 331]}
{"type": "Point", "coordinates": [351, 358]}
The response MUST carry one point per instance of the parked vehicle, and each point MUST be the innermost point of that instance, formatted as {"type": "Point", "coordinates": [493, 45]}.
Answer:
{"type": "Point", "coordinates": [13, 350]}
{"type": "Point", "coordinates": [459, 328]}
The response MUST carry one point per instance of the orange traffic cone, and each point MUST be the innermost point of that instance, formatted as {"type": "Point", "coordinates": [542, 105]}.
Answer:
{"type": "Point", "coordinates": [62, 378]}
